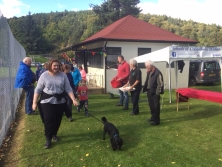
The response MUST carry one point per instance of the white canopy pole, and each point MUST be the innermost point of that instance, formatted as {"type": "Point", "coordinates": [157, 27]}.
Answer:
{"type": "Point", "coordinates": [169, 71]}
{"type": "Point", "coordinates": [176, 72]}
{"type": "Point", "coordinates": [220, 63]}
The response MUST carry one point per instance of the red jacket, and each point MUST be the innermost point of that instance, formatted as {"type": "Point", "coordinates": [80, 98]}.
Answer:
{"type": "Point", "coordinates": [123, 72]}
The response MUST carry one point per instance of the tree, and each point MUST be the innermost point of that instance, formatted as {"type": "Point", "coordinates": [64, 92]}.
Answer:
{"type": "Point", "coordinates": [215, 36]}
{"type": "Point", "coordinates": [166, 26]}
{"type": "Point", "coordinates": [16, 27]}
{"type": "Point", "coordinates": [49, 32]}
{"type": "Point", "coordinates": [187, 29]}
{"type": "Point", "coordinates": [31, 34]}
{"type": "Point", "coordinates": [112, 10]}
{"type": "Point", "coordinates": [155, 21]}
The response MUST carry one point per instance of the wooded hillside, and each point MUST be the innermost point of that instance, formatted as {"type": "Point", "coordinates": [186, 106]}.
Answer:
{"type": "Point", "coordinates": [50, 32]}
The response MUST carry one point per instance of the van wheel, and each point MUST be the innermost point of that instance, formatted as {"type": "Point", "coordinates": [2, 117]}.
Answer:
{"type": "Point", "coordinates": [192, 81]}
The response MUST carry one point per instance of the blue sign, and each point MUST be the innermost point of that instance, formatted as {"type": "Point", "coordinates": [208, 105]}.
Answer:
{"type": "Point", "coordinates": [174, 54]}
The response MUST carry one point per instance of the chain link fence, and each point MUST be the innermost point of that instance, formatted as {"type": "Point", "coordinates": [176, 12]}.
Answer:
{"type": "Point", "coordinates": [11, 53]}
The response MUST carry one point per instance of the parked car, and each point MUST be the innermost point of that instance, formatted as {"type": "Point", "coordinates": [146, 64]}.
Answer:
{"type": "Point", "coordinates": [35, 64]}
{"type": "Point", "coordinates": [204, 72]}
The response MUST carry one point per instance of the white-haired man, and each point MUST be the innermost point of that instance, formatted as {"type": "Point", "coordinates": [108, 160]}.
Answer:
{"type": "Point", "coordinates": [25, 79]}
{"type": "Point", "coordinates": [154, 87]}
{"type": "Point", "coordinates": [135, 82]}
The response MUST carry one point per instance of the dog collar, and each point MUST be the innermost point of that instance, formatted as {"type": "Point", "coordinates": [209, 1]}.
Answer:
{"type": "Point", "coordinates": [115, 135]}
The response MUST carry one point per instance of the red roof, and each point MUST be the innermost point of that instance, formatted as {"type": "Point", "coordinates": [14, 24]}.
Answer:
{"type": "Point", "coordinates": [133, 29]}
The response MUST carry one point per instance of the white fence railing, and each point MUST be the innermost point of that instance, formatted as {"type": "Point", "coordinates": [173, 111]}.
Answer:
{"type": "Point", "coordinates": [11, 53]}
{"type": "Point", "coordinates": [94, 80]}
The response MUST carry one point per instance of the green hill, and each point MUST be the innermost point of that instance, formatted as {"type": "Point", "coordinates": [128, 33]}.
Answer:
{"type": "Point", "coordinates": [50, 32]}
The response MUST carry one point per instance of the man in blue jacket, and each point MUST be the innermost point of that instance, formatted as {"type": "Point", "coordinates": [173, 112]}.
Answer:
{"type": "Point", "coordinates": [25, 79]}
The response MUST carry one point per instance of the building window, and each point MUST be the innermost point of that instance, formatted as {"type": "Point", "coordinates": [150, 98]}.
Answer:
{"type": "Point", "coordinates": [112, 55]}
{"type": "Point", "coordinates": [79, 58]}
{"type": "Point", "coordinates": [87, 58]}
{"type": "Point", "coordinates": [95, 60]}
{"type": "Point", "coordinates": [142, 51]}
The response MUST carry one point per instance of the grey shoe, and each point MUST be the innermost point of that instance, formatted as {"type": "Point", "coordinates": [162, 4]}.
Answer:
{"type": "Point", "coordinates": [55, 138]}
{"type": "Point", "coordinates": [47, 144]}
{"type": "Point", "coordinates": [70, 119]}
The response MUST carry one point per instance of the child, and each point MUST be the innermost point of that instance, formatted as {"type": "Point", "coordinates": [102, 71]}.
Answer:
{"type": "Point", "coordinates": [83, 97]}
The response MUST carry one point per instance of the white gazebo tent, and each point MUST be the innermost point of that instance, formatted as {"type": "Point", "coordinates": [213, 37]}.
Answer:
{"type": "Point", "coordinates": [174, 53]}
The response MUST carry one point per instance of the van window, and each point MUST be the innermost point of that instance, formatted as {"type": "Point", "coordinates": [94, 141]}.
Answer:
{"type": "Point", "coordinates": [194, 66]}
{"type": "Point", "coordinates": [211, 66]}
{"type": "Point", "coordinates": [217, 66]}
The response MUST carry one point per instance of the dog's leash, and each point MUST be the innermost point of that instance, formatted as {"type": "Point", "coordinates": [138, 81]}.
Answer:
{"type": "Point", "coordinates": [95, 117]}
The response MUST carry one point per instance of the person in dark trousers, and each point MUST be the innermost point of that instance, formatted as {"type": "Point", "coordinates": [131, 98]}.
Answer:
{"type": "Point", "coordinates": [44, 69]}
{"type": "Point", "coordinates": [123, 77]}
{"type": "Point", "coordinates": [25, 79]}
{"type": "Point", "coordinates": [38, 69]}
{"type": "Point", "coordinates": [68, 111]}
{"type": "Point", "coordinates": [154, 87]}
{"type": "Point", "coordinates": [135, 80]}
{"type": "Point", "coordinates": [53, 85]}
{"type": "Point", "coordinates": [76, 76]}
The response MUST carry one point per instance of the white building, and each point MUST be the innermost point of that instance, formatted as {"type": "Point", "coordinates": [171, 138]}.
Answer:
{"type": "Point", "coordinates": [129, 37]}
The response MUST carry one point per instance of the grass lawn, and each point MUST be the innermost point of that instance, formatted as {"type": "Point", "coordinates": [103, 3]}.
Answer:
{"type": "Point", "coordinates": [185, 138]}
{"type": "Point", "coordinates": [6, 72]}
{"type": "Point", "coordinates": [38, 58]}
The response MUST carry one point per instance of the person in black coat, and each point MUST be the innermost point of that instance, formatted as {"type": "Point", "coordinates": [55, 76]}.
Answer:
{"type": "Point", "coordinates": [135, 83]}
{"type": "Point", "coordinates": [68, 112]}
{"type": "Point", "coordinates": [39, 68]}
{"type": "Point", "coordinates": [154, 87]}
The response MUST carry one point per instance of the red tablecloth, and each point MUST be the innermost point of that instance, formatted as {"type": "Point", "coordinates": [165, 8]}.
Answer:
{"type": "Point", "coordinates": [201, 94]}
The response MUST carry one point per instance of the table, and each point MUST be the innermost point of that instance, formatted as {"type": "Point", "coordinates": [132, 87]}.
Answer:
{"type": "Point", "coordinates": [186, 93]}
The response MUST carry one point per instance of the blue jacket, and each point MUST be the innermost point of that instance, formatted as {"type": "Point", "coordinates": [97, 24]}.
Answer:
{"type": "Point", "coordinates": [24, 76]}
{"type": "Point", "coordinates": [39, 68]}
{"type": "Point", "coordinates": [42, 71]}
{"type": "Point", "coordinates": [37, 74]}
{"type": "Point", "coordinates": [76, 76]}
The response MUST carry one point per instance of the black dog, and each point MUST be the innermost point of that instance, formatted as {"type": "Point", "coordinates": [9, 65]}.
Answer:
{"type": "Point", "coordinates": [113, 132]}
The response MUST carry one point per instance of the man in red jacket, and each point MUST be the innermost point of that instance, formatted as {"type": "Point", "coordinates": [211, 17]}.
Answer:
{"type": "Point", "coordinates": [123, 77]}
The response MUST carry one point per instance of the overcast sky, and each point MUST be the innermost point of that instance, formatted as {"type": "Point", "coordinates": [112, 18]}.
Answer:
{"type": "Point", "coordinates": [203, 11]}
